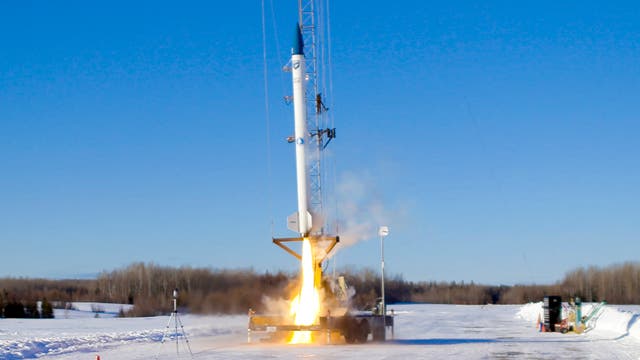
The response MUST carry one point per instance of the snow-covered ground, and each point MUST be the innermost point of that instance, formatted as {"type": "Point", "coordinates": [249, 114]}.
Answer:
{"type": "Point", "coordinates": [422, 331]}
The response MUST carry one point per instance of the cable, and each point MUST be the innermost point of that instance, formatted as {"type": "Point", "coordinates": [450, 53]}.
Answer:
{"type": "Point", "coordinates": [329, 61]}
{"type": "Point", "coordinates": [267, 115]}
{"type": "Point", "coordinates": [274, 25]}
{"type": "Point", "coordinates": [331, 119]}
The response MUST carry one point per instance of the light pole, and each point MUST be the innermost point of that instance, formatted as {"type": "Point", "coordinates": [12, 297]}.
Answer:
{"type": "Point", "coordinates": [383, 231]}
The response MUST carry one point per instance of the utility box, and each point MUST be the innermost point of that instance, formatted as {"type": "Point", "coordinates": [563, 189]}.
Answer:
{"type": "Point", "coordinates": [552, 311]}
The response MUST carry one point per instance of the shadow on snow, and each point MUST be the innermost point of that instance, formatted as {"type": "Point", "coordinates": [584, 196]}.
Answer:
{"type": "Point", "coordinates": [440, 341]}
{"type": "Point", "coordinates": [462, 341]}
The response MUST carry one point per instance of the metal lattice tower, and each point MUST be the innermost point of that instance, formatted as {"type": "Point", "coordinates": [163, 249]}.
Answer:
{"type": "Point", "coordinates": [308, 20]}
{"type": "Point", "coordinates": [312, 32]}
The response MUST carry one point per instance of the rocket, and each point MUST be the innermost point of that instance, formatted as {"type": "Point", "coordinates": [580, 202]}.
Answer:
{"type": "Point", "coordinates": [300, 221]}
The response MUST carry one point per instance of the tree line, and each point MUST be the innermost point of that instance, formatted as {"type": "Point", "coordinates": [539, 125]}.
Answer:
{"type": "Point", "coordinates": [149, 288]}
{"type": "Point", "coordinates": [202, 290]}
{"type": "Point", "coordinates": [10, 307]}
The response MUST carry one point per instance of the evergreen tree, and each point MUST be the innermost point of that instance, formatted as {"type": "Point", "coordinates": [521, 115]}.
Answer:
{"type": "Point", "coordinates": [32, 310]}
{"type": "Point", "coordinates": [14, 309]}
{"type": "Point", "coordinates": [2, 304]}
{"type": "Point", "coordinates": [47, 309]}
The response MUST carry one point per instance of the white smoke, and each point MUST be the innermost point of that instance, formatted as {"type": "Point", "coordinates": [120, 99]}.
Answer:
{"type": "Point", "coordinates": [278, 306]}
{"type": "Point", "coordinates": [360, 207]}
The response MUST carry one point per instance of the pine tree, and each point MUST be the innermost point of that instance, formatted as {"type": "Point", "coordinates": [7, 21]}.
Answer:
{"type": "Point", "coordinates": [14, 309]}
{"type": "Point", "coordinates": [47, 309]}
{"type": "Point", "coordinates": [32, 310]}
{"type": "Point", "coordinates": [2, 304]}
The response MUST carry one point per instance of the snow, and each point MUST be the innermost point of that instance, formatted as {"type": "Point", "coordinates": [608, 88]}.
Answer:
{"type": "Point", "coordinates": [422, 331]}
{"type": "Point", "coordinates": [90, 309]}
{"type": "Point", "coordinates": [614, 321]}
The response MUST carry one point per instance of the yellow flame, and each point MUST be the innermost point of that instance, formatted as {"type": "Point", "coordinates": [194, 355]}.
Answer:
{"type": "Point", "coordinates": [306, 305]}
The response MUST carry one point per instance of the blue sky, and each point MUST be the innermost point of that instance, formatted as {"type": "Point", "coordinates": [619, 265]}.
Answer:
{"type": "Point", "coordinates": [499, 140]}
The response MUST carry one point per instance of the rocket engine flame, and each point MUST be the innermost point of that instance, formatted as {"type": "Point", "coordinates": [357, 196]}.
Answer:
{"type": "Point", "coordinates": [306, 305]}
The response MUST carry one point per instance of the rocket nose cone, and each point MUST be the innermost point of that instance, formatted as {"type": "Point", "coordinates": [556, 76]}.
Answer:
{"type": "Point", "coordinates": [298, 43]}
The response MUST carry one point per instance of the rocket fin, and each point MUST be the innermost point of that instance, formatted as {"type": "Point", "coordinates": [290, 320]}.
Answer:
{"type": "Point", "coordinates": [309, 219]}
{"type": "Point", "coordinates": [293, 223]}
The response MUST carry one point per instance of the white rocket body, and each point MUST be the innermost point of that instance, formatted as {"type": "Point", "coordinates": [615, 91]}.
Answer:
{"type": "Point", "coordinates": [298, 74]}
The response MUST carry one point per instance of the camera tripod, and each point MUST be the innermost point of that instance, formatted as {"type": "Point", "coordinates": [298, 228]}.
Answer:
{"type": "Point", "coordinates": [174, 320]}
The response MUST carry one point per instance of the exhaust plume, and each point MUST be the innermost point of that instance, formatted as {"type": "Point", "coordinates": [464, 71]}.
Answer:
{"type": "Point", "coordinates": [361, 209]}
